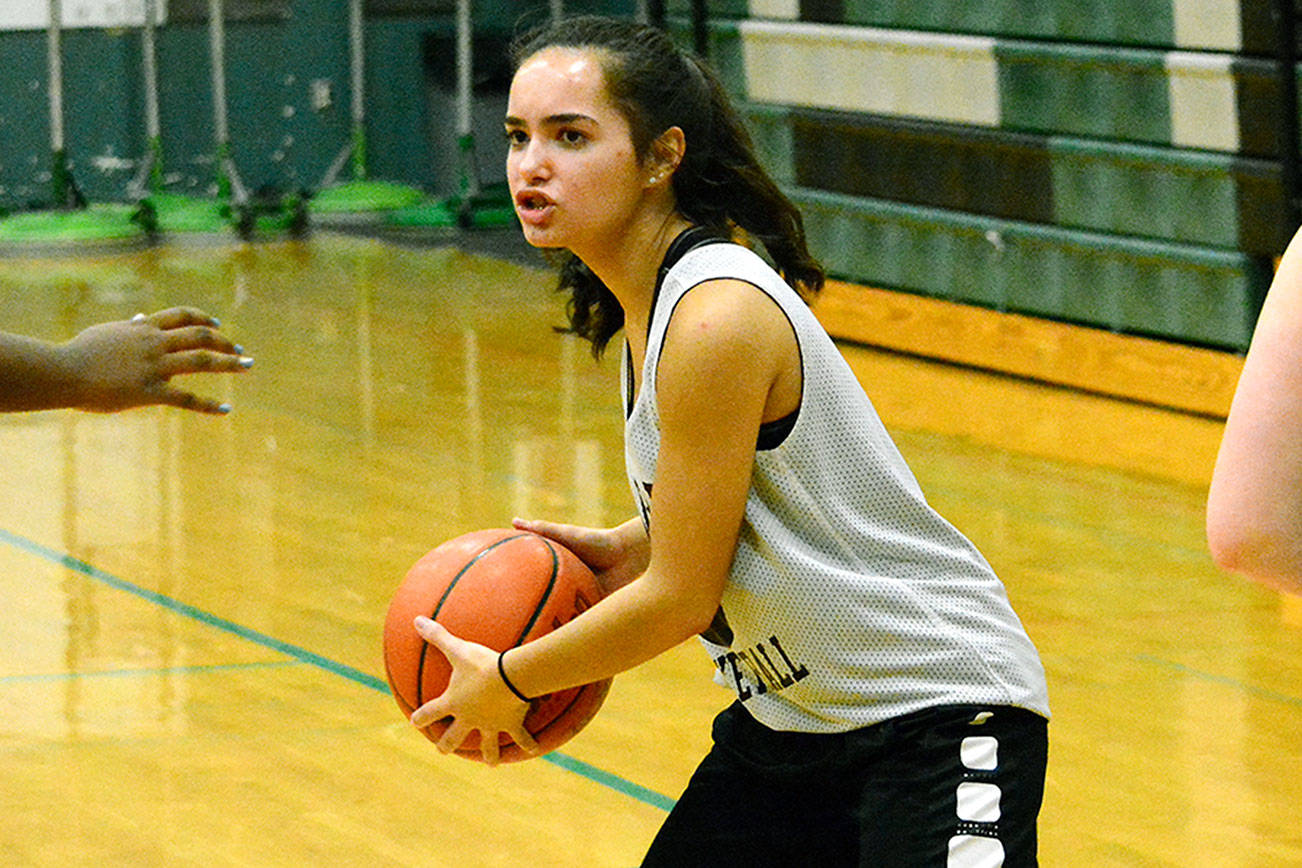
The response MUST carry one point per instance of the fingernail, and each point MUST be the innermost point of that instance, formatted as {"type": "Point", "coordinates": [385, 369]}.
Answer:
{"type": "Point", "coordinates": [224, 408]}
{"type": "Point", "coordinates": [246, 362]}
{"type": "Point", "coordinates": [239, 350]}
{"type": "Point", "coordinates": [216, 322]}
{"type": "Point", "coordinates": [140, 317]}
{"type": "Point", "coordinates": [422, 621]}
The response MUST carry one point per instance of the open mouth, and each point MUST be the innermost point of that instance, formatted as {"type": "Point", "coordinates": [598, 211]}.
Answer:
{"type": "Point", "coordinates": [529, 201]}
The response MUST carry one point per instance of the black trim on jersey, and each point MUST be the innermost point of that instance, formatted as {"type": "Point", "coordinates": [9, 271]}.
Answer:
{"type": "Point", "coordinates": [773, 433]}
{"type": "Point", "coordinates": [685, 242]}
{"type": "Point", "coordinates": [688, 240]}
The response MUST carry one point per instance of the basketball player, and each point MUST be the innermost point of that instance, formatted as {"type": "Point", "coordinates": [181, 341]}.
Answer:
{"type": "Point", "coordinates": [1254, 507]}
{"type": "Point", "coordinates": [117, 365]}
{"type": "Point", "coordinates": [890, 709]}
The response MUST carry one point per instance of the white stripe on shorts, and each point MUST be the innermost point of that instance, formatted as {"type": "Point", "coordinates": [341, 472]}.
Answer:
{"type": "Point", "coordinates": [975, 851]}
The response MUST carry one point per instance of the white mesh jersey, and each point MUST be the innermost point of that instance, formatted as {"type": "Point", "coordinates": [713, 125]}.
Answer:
{"type": "Point", "coordinates": [850, 600]}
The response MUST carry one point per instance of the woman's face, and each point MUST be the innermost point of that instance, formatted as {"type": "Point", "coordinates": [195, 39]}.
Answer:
{"type": "Point", "coordinates": [571, 166]}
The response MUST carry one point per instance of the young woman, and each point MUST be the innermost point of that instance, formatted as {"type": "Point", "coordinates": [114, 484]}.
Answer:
{"type": "Point", "coordinates": [118, 365]}
{"type": "Point", "coordinates": [890, 709]}
{"type": "Point", "coordinates": [1254, 507]}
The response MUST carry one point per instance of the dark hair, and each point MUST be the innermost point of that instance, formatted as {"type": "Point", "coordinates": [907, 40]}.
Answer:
{"type": "Point", "coordinates": [720, 183]}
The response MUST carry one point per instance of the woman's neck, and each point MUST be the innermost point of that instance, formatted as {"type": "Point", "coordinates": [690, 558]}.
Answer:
{"type": "Point", "coordinates": [630, 267]}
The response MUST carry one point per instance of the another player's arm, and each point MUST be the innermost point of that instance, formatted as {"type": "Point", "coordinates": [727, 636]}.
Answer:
{"type": "Point", "coordinates": [1254, 507]}
{"type": "Point", "coordinates": [117, 365]}
{"type": "Point", "coordinates": [32, 375]}
{"type": "Point", "coordinates": [725, 347]}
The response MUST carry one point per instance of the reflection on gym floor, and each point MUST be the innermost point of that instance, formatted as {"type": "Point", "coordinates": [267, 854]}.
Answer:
{"type": "Point", "coordinates": [190, 669]}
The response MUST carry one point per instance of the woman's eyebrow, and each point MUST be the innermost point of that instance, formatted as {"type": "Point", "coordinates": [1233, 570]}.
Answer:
{"type": "Point", "coordinates": [553, 120]}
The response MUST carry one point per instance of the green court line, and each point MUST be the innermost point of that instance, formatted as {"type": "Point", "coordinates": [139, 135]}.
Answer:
{"type": "Point", "coordinates": [579, 767]}
{"type": "Point", "coordinates": [189, 611]}
{"type": "Point", "coordinates": [592, 773]}
{"type": "Point", "coordinates": [1260, 692]}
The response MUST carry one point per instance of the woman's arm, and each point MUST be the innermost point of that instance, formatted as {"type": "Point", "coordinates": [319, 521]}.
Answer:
{"type": "Point", "coordinates": [116, 365]}
{"type": "Point", "coordinates": [721, 357]}
{"type": "Point", "coordinates": [1254, 506]}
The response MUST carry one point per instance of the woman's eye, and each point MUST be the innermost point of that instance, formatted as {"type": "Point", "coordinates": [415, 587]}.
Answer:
{"type": "Point", "coordinates": [516, 137]}
{"type": "Point", "coordinates": [572, 137]}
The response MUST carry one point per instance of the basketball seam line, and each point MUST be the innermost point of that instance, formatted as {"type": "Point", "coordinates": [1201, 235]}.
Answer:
{"type": "Point", "coordinates": [420, 668]}
{"type": "Point", "coordinates": [547, 593]}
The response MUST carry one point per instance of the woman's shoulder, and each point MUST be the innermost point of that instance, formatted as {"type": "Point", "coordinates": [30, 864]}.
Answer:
{"type": "Point", "coordinates": [723, 259]}
{"type": "Point", "coordinates": [726, 263]}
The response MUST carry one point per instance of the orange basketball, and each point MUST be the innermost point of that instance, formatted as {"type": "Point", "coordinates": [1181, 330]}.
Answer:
{"type": "Point", "coordinates": [499, 588]}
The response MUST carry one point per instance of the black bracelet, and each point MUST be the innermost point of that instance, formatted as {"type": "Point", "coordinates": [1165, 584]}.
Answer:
{"type": "Point", "coordinates": [509, 686]}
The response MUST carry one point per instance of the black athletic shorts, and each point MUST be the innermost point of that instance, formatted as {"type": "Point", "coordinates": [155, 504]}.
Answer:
{"type": "Point", "coordinates": [956, 786]}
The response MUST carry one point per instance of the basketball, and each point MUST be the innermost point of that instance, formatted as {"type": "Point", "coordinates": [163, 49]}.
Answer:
{"type": "Point", "coordinates": [499, 588]}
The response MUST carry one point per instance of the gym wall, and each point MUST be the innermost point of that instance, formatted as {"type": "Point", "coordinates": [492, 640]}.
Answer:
{"type": "Point", "coordinates": [1112, 163]}
{"type": "Point", "coordinates": [287, 85]}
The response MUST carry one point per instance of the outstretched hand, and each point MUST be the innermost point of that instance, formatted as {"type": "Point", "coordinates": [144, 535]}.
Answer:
{"type": "Point", "coordinates": [476, 698]}
{"type": "Point", "coordinates": [118, 365]}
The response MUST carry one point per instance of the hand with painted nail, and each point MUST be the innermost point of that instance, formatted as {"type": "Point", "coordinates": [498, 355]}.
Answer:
{"type": "Point", "coordinates": [477, 697]}
{"type": "Point", "coordinates": [118, 365]}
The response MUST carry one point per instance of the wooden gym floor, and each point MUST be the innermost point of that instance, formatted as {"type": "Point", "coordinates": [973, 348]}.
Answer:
{"type": "Point", "coordinates": [190, 665]}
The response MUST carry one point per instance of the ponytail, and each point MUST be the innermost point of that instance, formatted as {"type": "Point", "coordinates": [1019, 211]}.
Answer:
{"type": "Point", "coordinates": [723, 185]}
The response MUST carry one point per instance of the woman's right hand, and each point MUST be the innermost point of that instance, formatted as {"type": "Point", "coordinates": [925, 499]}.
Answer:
{"type": "Point", "coordinates": [118, 365]}
{"type": "Point", "coordinates": [616, 555]}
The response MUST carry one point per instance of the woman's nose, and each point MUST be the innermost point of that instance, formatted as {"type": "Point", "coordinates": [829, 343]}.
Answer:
{"type": "Point", "coordinates": [531, 162]}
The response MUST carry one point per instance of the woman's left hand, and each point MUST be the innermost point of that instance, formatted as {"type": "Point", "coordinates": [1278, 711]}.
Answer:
{"type": "Point", "coordinates": [476, 698]}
